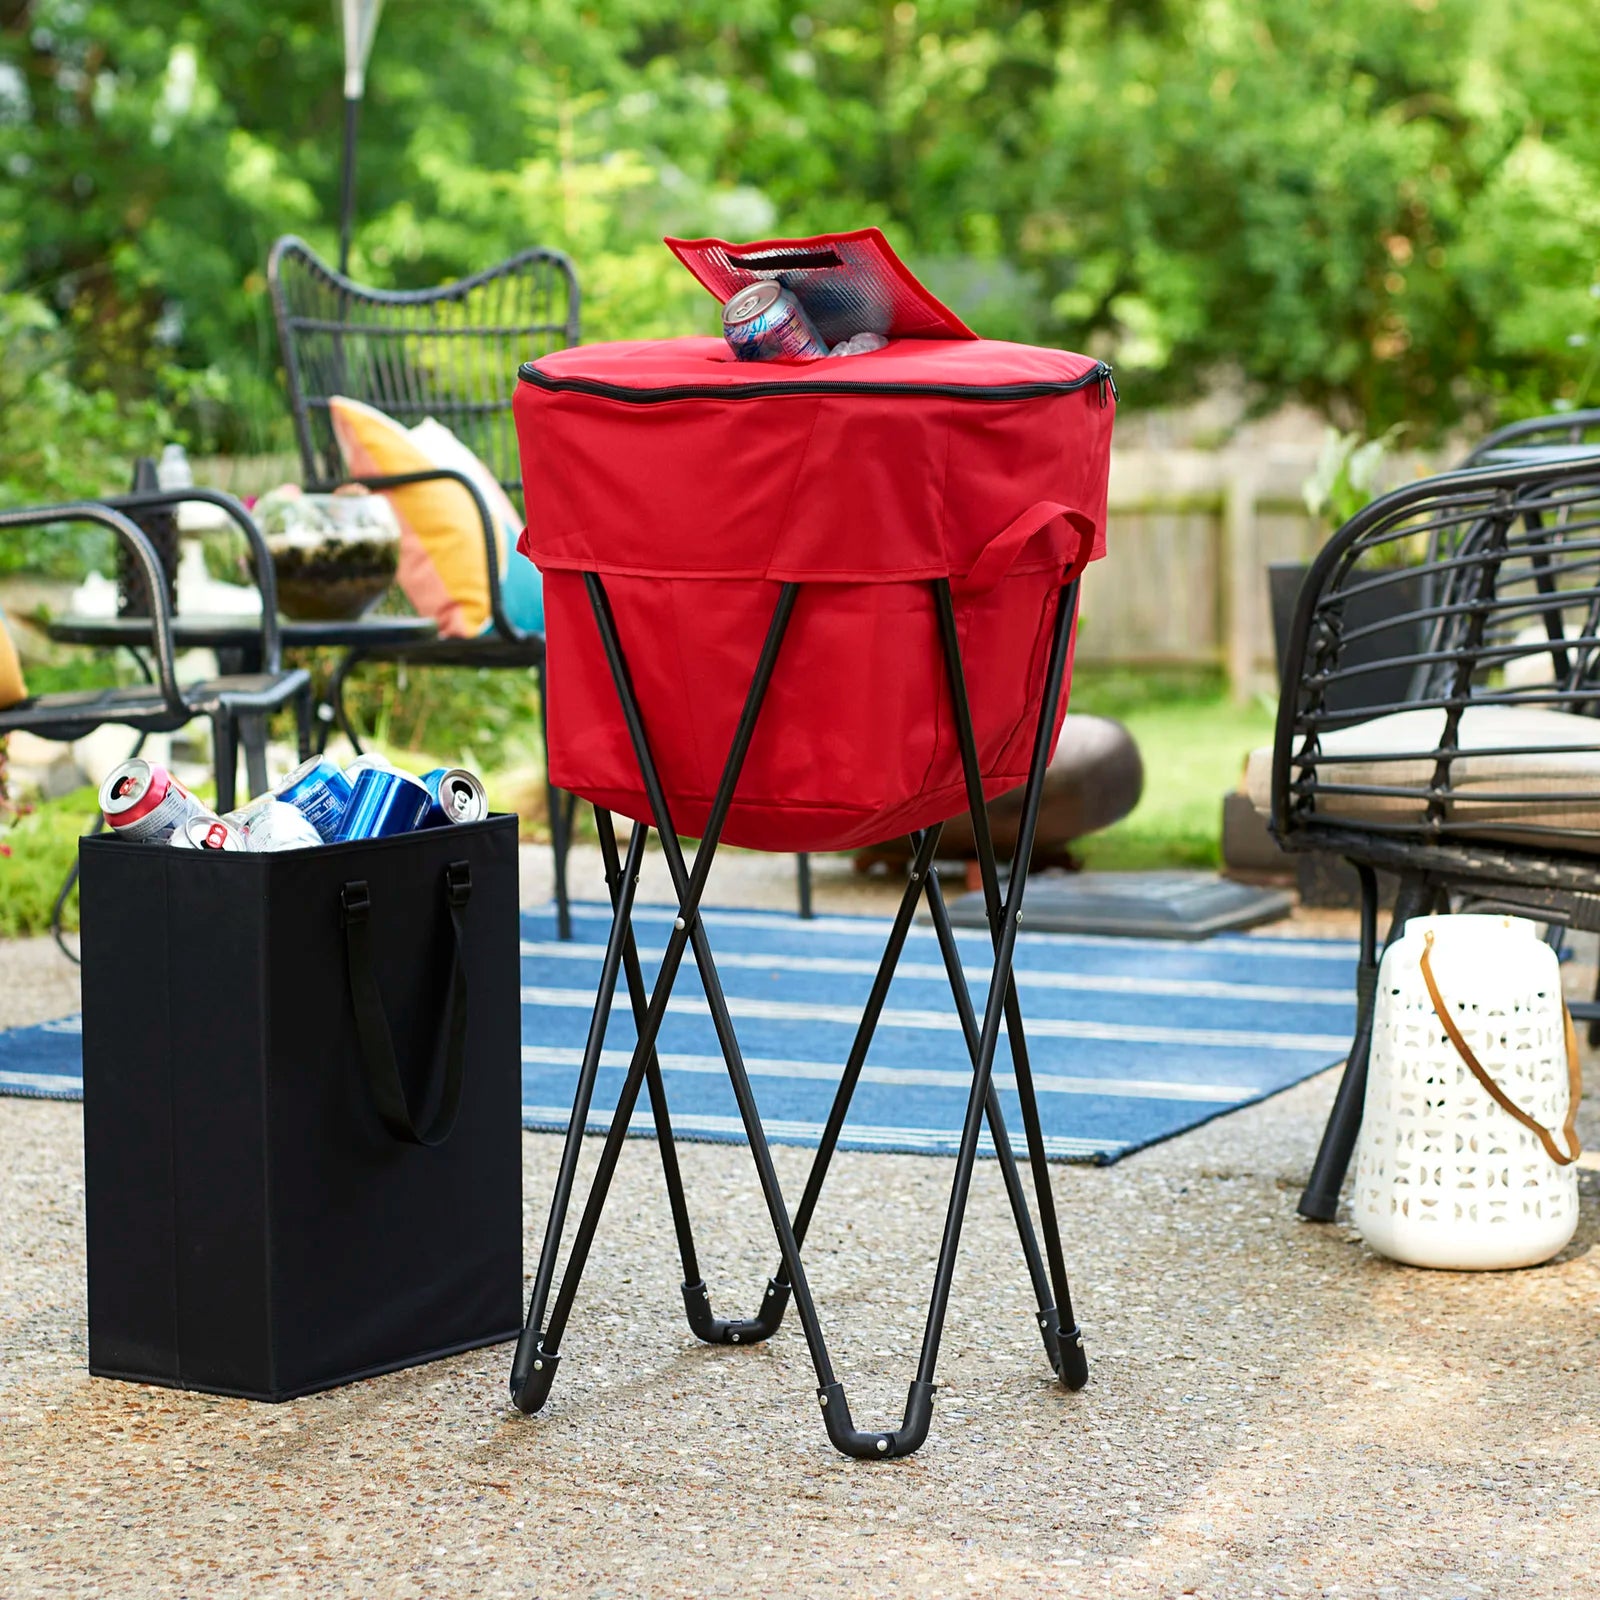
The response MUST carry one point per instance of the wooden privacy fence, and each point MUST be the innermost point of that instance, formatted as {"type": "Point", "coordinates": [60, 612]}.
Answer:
{"type": "Point", "coordinates": [1191, 535]}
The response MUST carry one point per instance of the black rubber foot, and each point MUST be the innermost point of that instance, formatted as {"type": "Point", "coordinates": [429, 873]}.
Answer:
{"type": "Point", "coordinates": [724, 1330]}
{"type": "Point", "coordinates": [1318, 1207]}
{"type": "Point", "coordinates": [1049, 1321]}
{"type": "Point", "coordinates": [889, 1446]}
{"type": "Point", "coordinates": [1074, 1369]}
{"type": "Point", "coordinates": [532, 1373]}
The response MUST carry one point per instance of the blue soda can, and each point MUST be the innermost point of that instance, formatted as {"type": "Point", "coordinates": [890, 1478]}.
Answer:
{"type": "Point", "coordinates": [764, 322]}
{"type": "Point", "coordinates": [457, 796]}
{"type": "Point", "coordinates": [384, 803]}
{"type": "Point", "coordinates": [320, 792]}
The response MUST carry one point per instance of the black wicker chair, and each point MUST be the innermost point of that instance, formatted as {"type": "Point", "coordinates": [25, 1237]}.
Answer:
{"type": "Point", "coordinates": [1480, 785]}
{"type": "Point", "coordinates": [451, 353]}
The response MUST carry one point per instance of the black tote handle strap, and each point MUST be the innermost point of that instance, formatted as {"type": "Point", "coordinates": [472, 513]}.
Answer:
{"type": "Point", "coordinates": [372, 1023]}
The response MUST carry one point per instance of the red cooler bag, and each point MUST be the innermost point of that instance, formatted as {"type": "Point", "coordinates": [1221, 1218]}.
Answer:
{"type": "Point", "coordinates": [695, 485]}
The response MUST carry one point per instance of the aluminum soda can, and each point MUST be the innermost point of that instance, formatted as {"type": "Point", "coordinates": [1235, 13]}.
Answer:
{"type": "Point", "coordinates": [142, 801]}
{"type": "Point", "coordinates": [384, 803]}
{"type": "Point", "coordinates": [208, 832]}
{"type": "Point", "coordinates": [272, 824]}
{"type": "Point", "coordinates": [457, 796]}
{"type": "Point", "coordinates": [764, 322]}
{"type": "Point", "coordinates": [320, 792]}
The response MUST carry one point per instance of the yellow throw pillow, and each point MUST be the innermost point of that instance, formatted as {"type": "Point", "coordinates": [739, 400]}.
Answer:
{"type": "Point", "coordinates": [441, 538]}
{"type": "Point", "coordinates": [12, 688]}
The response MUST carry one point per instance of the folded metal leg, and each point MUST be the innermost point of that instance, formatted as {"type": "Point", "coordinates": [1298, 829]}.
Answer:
{"type": "Point", "coordinates": [778, 1289]}
{"type": "Point", "coordinates": [1062, 1338]}
{"type": "Point", "coordinates": [533, 1369]}
{"type": "Point", "coordinates": [689, 930]}
{"type": "Point", "coordinates": [1044, 1295]}
{"type": "Point", "coordinates": [919, 1404]}
{"type": "Point", "coordinates": [921, 877]}
{"type": "Point", "coordinates": [696, 1298]}
{"type": "Point", "coordinates": [1000, 985]}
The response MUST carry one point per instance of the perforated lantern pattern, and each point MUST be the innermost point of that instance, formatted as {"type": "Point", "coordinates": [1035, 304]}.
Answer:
{"type": "Point", "coordinates": [1444, 1177]}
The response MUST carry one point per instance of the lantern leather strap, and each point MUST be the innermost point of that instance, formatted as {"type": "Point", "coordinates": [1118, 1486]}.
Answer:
{"type": "Point", "coordinates": [1569, 1131]}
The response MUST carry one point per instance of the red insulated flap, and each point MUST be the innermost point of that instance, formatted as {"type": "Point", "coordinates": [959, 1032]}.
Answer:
{"type": "Point", "coordinates": [848, 283]}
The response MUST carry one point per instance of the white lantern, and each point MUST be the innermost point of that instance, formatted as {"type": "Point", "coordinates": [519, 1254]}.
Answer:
{"type": "Point", "coordinates": [1467, 1142]}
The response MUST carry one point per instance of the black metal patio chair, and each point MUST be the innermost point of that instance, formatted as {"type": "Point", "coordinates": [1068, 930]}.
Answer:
{"type": "Point", "coordinates": [450, 353]}
{"type": "Point", "coordinates": [237, 706]}
{"type": "Point", "coordinates": [1481, 784]}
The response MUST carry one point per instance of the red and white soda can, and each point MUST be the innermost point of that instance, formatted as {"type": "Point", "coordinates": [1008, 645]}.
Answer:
{"type": "Point", "coordinates": [142, 801]}
{"type": "Point", "coordinates": [208, 832]}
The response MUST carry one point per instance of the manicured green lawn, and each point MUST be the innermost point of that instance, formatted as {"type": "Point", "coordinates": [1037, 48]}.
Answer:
{"type": "Point", "coordinates": [1193, 740]}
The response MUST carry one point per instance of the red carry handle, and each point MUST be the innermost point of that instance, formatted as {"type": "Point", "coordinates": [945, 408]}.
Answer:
{"type": "Point", "coordinates": [1001, 553]}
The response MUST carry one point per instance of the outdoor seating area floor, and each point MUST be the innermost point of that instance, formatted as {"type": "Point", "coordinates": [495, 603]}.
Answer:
{"type": "Point", "coordinates": [1272, 1409]}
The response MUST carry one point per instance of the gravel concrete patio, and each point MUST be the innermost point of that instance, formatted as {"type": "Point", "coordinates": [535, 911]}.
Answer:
{"type": "Point", "coordinates": [1272, 1409]}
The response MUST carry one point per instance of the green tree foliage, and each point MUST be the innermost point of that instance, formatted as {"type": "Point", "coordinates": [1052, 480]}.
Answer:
{"type": "Point", "coordinates": [59, 440]}
{"type": "Point", "coordinates": [1387, 208]}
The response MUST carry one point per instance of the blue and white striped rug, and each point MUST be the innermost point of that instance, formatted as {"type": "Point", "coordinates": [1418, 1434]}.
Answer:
{"type": "Point", "coordinates": [1132, 1040]}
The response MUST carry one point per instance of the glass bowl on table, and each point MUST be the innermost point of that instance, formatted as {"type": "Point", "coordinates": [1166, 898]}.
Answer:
{"type": "Point", "coordinates": [334, 555]}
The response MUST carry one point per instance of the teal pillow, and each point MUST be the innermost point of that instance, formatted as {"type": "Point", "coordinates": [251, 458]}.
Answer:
{"type": "Point", "coordinates": [522, 594]}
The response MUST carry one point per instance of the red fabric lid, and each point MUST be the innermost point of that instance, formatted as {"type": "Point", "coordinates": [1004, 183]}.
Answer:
{"type": "Point", "coordinates": [838, 471]}
{"type": "Point", "coordinates": [669, 363]}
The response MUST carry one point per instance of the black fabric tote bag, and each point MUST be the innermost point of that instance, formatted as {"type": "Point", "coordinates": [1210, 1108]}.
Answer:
{"type": "Point", "coordinates": [302, 1108]}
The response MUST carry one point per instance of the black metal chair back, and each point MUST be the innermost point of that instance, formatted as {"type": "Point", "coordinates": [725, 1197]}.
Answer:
{"type": "Point", "coordinates": [1534, 438]}
{"type": "Point", "coordinates": [450, 353]}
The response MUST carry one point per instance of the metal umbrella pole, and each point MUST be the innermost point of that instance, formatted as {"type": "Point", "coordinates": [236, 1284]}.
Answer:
{"type": "Point", "coordinates": [359, 19]}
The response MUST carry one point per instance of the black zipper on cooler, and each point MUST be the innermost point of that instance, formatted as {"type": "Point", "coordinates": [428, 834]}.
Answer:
{"type": "Point", "coordinates": [1099, 373]}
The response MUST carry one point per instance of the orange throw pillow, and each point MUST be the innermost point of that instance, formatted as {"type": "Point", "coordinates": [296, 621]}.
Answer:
{"type": "Point", "coordinates": [12, 688]}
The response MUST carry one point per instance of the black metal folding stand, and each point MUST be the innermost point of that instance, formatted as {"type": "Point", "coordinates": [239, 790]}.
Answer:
{"type": "Point", "coordinates": [538, 1355]}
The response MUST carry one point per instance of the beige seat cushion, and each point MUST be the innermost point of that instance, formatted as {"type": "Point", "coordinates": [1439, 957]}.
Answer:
{"type": "Point", "coordinates": [1570, 777]}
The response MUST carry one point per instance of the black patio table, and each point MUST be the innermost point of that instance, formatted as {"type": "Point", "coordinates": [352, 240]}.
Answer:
{"type": "Point", "coordinates": [237, 642]}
